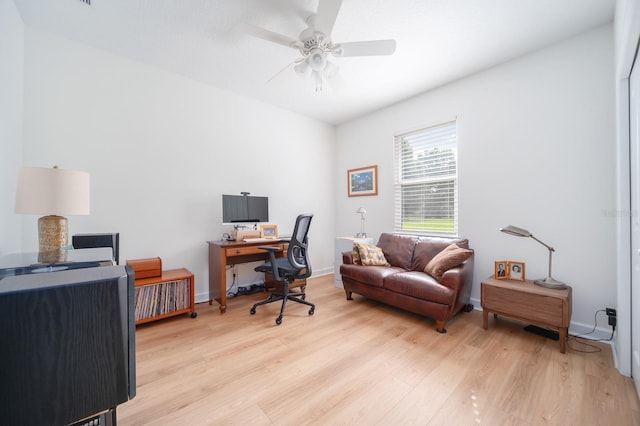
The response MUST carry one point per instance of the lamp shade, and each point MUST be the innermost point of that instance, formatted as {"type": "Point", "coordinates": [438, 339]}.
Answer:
{"type": "Point", "coordinates": [52, 191]}
{"type": "Point", "coordinates": [514, 230]}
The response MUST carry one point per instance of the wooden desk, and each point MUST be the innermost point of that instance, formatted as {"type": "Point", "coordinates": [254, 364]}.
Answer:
{"type": "Point", "coordinates": [224, 253]}
{"type": "Point", "coordinates": [525, 301]}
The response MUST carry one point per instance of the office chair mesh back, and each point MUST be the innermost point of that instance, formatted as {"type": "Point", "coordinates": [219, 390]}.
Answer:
{"type": "Point", "coordinates": [297, 251]}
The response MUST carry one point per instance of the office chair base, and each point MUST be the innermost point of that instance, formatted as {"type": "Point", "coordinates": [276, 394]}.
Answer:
{"type": "Point", "coordinates": [296, 297]}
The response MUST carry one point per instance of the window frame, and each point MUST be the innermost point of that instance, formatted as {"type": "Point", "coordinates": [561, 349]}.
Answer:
{"type": "Point", "coordinates": [439, 136]}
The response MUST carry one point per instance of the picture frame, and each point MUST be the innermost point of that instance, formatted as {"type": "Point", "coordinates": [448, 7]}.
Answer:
{"type": "Point", "coordinates": [516, 270]}
{"type": "Point", "coordinates": [362, 181]}
{"type": "Point", "coordinates": [501, 270]}
{"type": "Point", "coordinates": [269, 231]}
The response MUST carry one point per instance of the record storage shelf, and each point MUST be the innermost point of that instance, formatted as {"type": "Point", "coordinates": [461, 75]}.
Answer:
{"type": "Point", "coordinates": [165, 296]}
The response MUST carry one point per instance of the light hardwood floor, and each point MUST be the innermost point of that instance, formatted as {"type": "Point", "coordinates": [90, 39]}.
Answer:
{"type": "Point", "coordinates": [363, 363]}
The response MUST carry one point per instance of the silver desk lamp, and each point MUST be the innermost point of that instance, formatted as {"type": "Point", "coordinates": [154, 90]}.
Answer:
{"type": "Point", "coordinates": [363, 216]}
{"type": "Point", "coordinates": [549, 282]}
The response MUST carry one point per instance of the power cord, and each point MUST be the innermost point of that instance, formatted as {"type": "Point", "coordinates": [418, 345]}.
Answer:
{"type": "Point", "coordinates": [583, 341]}
{"type": "Point", "coordinates": [234, 282]}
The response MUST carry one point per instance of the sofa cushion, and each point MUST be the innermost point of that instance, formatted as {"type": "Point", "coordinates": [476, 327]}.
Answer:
{"type": "Point", "coordinates": [398, 249]}
{"type": "Point", "coordinates": [355, 255]}
{"type": "Point", "coordinates": [448, 258]}
{"type": "Point", "coordinates": [428, 247]}
{"type": "Point", "coordinates": [371, 275]}
{"type": "Point", "coordinates": [371, 255]}
{"type": "Point", "coordinates": [419, 285]}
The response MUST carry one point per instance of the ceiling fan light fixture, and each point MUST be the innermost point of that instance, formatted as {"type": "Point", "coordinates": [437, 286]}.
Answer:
{"type": "Point", "coordinates": [317, 59]}
{"type": "Point", "coordinates": [303, 69]}
{"type": "Point", "coordinates": [318, 78]}
{"type": "Point", "coordinates": [330, 70]}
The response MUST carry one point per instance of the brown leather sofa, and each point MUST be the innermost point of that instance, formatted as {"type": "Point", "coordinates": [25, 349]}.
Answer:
{"type": "Point", "coordinates": [405, 285]}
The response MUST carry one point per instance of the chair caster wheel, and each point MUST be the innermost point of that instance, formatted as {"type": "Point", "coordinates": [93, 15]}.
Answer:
{"type": "Point", "coordinates": [278, 320]}
{"type": "Point", "coordinates": [253, 311]}
{"type": "Point", "coordinates": [194, 314]}
{"type": "Point", "coordinates": [311, 311]}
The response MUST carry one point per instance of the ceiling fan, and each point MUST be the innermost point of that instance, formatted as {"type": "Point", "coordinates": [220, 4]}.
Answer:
{"type": "Point", "coordinates": [315, 44]}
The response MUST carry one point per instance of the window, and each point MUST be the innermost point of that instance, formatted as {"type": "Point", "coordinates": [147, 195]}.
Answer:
{"type": "Point", "coordinates": [426, 181]}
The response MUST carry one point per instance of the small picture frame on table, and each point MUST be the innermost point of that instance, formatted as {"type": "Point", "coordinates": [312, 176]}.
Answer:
{"type": "Point", "coordinates": [501, 270]}
{"type": "Point", "coordinates": [516, 270]}
{"type": "Point", "coordinates": [269, 231]}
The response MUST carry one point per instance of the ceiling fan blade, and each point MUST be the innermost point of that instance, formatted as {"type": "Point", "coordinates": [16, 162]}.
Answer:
{"type": "Point", "coordinates": [326, 16]}
{"type": "Point", "coordinates": [268, 35]}
{"type": "Point", "coordinates": [365, 48]}
{"type": "Point", "coordinates": [283, 70]}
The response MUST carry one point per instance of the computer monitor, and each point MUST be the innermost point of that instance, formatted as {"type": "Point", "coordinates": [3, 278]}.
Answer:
{"type": "Point", "coordinates": [244, 209]}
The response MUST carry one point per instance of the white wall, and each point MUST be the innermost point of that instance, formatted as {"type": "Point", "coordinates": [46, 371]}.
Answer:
{"type": "Point", "coordinates": [161, 149]}
{"type": "Point", "coordinates": [11, 78]}
{"type": "Point", "coordinates": [536, 149]}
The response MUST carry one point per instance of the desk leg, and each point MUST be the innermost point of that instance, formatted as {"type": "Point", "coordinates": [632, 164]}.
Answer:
{"type": "Point", "coordinates": [485, 319]}
{"type": "Point", "coordinates": [218, 276]}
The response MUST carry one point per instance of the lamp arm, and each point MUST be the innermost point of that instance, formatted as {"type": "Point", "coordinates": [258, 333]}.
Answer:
{"type": "Point", "coordinates": [546, 245]}
{"type": "Point", "coordinates": [551, 250]}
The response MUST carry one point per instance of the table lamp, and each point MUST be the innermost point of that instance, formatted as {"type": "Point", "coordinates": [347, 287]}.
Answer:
{"type": "Point", "coordinates": [52, 192]}
{"type": "Point", "coordinates": [363, 216]}
{"type": "Point", "coordinates": [545, 282]}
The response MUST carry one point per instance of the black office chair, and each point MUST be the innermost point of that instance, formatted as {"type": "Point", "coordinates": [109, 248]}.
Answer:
{"type": "Point", "coordinates": [286, 270]}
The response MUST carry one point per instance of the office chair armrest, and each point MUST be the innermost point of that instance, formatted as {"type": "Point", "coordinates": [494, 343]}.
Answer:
{"type": "Point", "coordinates": [272, 257]}
{"type": "Point", "coordinates": [270, 248]}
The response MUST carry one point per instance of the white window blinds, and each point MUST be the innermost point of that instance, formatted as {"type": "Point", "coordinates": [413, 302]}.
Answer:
{"type": "Point", "coordinates": [426, 182]}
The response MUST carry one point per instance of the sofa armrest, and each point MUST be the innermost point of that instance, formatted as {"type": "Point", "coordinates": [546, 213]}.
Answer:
{"type": "Point", "coordinates": [347, 257]}
{"type": "Point", "coordinates": [460, 279]}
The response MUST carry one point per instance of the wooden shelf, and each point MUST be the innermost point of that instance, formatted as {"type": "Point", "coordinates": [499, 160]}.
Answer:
{"type": "Point", "coordinates": [165, 296]}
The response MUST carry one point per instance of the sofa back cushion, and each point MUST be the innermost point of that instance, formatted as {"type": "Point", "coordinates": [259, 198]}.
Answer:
{"type": "Point", "coordinates": [398, 249]}
{"type": "Point", "coordinates": [427, 247]}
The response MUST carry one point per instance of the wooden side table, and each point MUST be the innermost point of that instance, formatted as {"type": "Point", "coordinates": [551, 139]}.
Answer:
{"type": "Point", "coordinates": [525, 301]}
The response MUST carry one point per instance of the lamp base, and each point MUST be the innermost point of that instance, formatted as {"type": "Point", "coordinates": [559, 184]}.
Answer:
{"type": "Point", "coordinates": [53, 233]}
{"type": "Point", "coordinates": [550, 283]}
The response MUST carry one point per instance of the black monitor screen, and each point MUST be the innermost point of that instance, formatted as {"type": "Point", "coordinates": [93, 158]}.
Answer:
{"type": "Point", "coordinates": [244, 208]}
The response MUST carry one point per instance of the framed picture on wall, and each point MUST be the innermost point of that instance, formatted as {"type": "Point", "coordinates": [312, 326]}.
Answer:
{"type": "Point", "coordinates": [363, 181]}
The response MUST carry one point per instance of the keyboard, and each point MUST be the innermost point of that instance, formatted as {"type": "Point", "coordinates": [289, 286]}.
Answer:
{"type": "Point", "coordinates": [257, 240]}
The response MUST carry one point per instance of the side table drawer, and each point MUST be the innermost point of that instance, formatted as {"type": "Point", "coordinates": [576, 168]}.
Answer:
{"type": "Point", "coordinates": [531, 307]}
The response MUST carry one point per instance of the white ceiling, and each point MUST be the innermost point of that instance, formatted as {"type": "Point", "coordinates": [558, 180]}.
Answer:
{"type": "Point", "coordinates": [438, 41]}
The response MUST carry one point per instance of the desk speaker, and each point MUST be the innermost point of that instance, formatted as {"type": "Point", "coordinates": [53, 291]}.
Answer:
{"type": "Point", "coordinates": [98, 240]}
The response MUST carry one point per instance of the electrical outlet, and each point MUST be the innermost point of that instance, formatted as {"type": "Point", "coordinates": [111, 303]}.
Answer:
{"type": "Point", "coordinates": [610, 312]}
